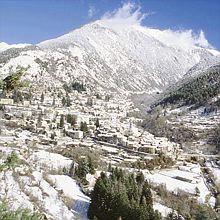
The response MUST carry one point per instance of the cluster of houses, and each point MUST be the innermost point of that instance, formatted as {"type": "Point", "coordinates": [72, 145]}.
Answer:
{"type": "Point", "coordinates": [107, 122]}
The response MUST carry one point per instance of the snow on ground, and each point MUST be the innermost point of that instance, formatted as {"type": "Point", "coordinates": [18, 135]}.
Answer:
{"type": "Point", "coordinates": [4, 46]}
{"type": "Point", "coordinates": [71, 190]}
{"type": "Point", "coordinates": [191, 168]}
{"type": "Point", "coordinates": [189, 185]}
{"type": "Point", "coordinates": [216, 173]}
{"type": "Point", "coordinates": [6, 150]}
{"type": "Point", "coordinates": [50, 160]}
{"type": "Point", "coordinates": [11, 191]}
{"type": "Point", "coordinates": [164, 210]}
{"type": "Point", "coordinates": [215, 170]}
{"type": "Point", "coordinates": [184, 174]}
{"type": "Point", "coordinates": [6, 139]}
{"type": "Point", "coordinates": [172, 184]}
{"type": "Point", "coordinates": [212, 201]}
{"type": "Point", "coordinates": [92, 179]}
{"type": "Point", "coordinates": [48, 198]}
{"type": "Point", "coordinates": [69, 186]}
{"type": "Point", "coordinates": [24, 134]}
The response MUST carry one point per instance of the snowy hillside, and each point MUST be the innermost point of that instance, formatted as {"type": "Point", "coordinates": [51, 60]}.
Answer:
{"type": "Point", "coordinates": [115, 57]}
{"type": "Point", "coordinates": [4, 46]}
{"type": "Point", "coordinates": [133, 58]}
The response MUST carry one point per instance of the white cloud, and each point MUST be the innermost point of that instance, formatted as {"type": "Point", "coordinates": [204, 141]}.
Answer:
{"type": "Point", "coordinates": [130, 15]}
{"type": "Point", "coordinates": [184, 39]}
{"type": "Point", "coordinates": [202, 41]}
{"type": "Point", "coordinates": [91, 11]}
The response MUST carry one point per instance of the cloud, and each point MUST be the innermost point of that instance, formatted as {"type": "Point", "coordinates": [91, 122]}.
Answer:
{"type": "Point", "coordinates": [184, 39]}
{"type": "Point", "coordinates": [91, 11]}
{"type": "Point", "coordinates": [130, 14]}
{"type": "Point", "coordinates": [202, 41]}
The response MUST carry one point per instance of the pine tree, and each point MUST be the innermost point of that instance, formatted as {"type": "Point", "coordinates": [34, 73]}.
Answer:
{"type": "Point", "coordinates": [54, 102]}
{"type": "Point", "coordinates": [91, 165]}
{"type": "Point", "coordinates": [68, 102]}
{"type": "Point", "coordinates": [140, 178]}
{"type": "Point", "coordinates": [63, 101]}
{"type": "Point", "coordinates": [17, 96]}
{"type": "Point", "coordinates": [42, 97]}
{"type": "Point", "coordinates": [109, 167]}
{"type": "Point", "coordinates": [89, 102]}
{"type": "Point", "coordinates": [69, 118]}
{"type": "Point", "coordinates": [61, 121]}
{"type": "Point", "coordinates": [118, 196]}
{"type": "Point", "coordinates": [74, 121]}
{"type": "Point", "coordinates": [147, 194]}
{"type": "Point", "coordinates": [39, 120]}
{"type": "Point", "coordinates": [201, 214]}
{"type": "Point", "coordinates": [97, 123]}
{"type": "Point", "coordinates": [83, 127]}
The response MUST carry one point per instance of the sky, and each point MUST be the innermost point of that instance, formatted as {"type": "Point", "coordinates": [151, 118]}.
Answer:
{"type": "Point", "coordinates": [33, 21]}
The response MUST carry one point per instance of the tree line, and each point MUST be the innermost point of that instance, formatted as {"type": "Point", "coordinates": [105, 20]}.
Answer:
{"type": "Point", "coordinates": [196, 91]}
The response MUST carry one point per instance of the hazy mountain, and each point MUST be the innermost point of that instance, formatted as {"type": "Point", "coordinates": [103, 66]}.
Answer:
{"type": "Point", "coordinates": [4, 46]}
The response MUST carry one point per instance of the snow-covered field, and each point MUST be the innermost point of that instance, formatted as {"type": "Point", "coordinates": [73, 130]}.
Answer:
{"type": "Point", "coordinates": [190, 181]}
{"type": "Point", "coordinates": [164, 210]}
{"type": "Point", "coordinates": [71, 190]}
{"type": "Point", "coordinates": [30, 185]}
{"type": "Point", "coordinates": [50, 160]}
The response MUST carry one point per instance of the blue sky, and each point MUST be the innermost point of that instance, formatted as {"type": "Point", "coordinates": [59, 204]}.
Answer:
{"type": "Point", "coordinates": [32, 21]}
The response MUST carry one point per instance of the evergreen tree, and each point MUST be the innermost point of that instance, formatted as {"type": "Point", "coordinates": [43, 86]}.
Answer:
{"type": "Point", "coordinates": [61, 121]}
{"type": "Point", "coordinates": [83, 127]}
{"type": "Point", "coordinates": [63, 101]}
{"type": "Point", "coordinates": [140, 178]}
{"type": "Point", "coordinates": [1, 84]}
{"type": "Point", "coordinates": [119, 196]}
{"type": "Point", "coordinates": [107, 98]}
{"type": "Point", "coordinates": [78, 86]}
{"type": "Point", "coordinates": [91, 165]}
{"type": "Point", "coordinates": [201, 214]}
{"type": "Point", "coordinates": [54, 101]}
{"type": "Point", "coordinates": [42, 97]}
{"type": "Point", "coordinates": [39, 120]}
{"type": "Point", "coordinates": [17, 96]}
{"type": "Point", "coordinates": [12, 81]}
{"type": "Point", "coordinates": [69, 118]}
{"type": "Point", "coordinates": [97, 123]}
{"type": "Point", "coordinates": [68, 102]}
{"type": "Point", "coordinates": [89, 102]}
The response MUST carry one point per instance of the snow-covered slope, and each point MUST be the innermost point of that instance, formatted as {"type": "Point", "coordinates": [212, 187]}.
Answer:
{"type": "Point", "coordinates": [4, 46]}
{"type": "Point", "coordinates": [131, 58]}
{"type": "Point", "coordinates": [203, 65]}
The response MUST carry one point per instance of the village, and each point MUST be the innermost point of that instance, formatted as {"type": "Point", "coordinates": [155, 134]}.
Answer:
{"type": "Point", "coordinates": [43, 131]}
{"type": "Point", "coordinates": [87, 121]}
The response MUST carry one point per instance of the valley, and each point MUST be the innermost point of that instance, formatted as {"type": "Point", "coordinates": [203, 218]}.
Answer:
{"type": "Point", "coordinates": [110, 123]}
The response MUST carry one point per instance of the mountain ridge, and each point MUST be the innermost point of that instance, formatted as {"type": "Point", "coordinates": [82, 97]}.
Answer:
{"type": "Point", "coordinates": [127, 60]}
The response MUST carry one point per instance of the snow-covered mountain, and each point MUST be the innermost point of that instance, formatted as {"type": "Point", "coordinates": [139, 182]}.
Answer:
{"type": "Point", "coordinates": [128, 58]}
{"type": "Point", "coordinates": [4, 46]}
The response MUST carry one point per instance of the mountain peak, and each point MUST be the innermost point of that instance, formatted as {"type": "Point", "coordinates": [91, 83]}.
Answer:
{"type": "Point", "coordinates": [129, 59]}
